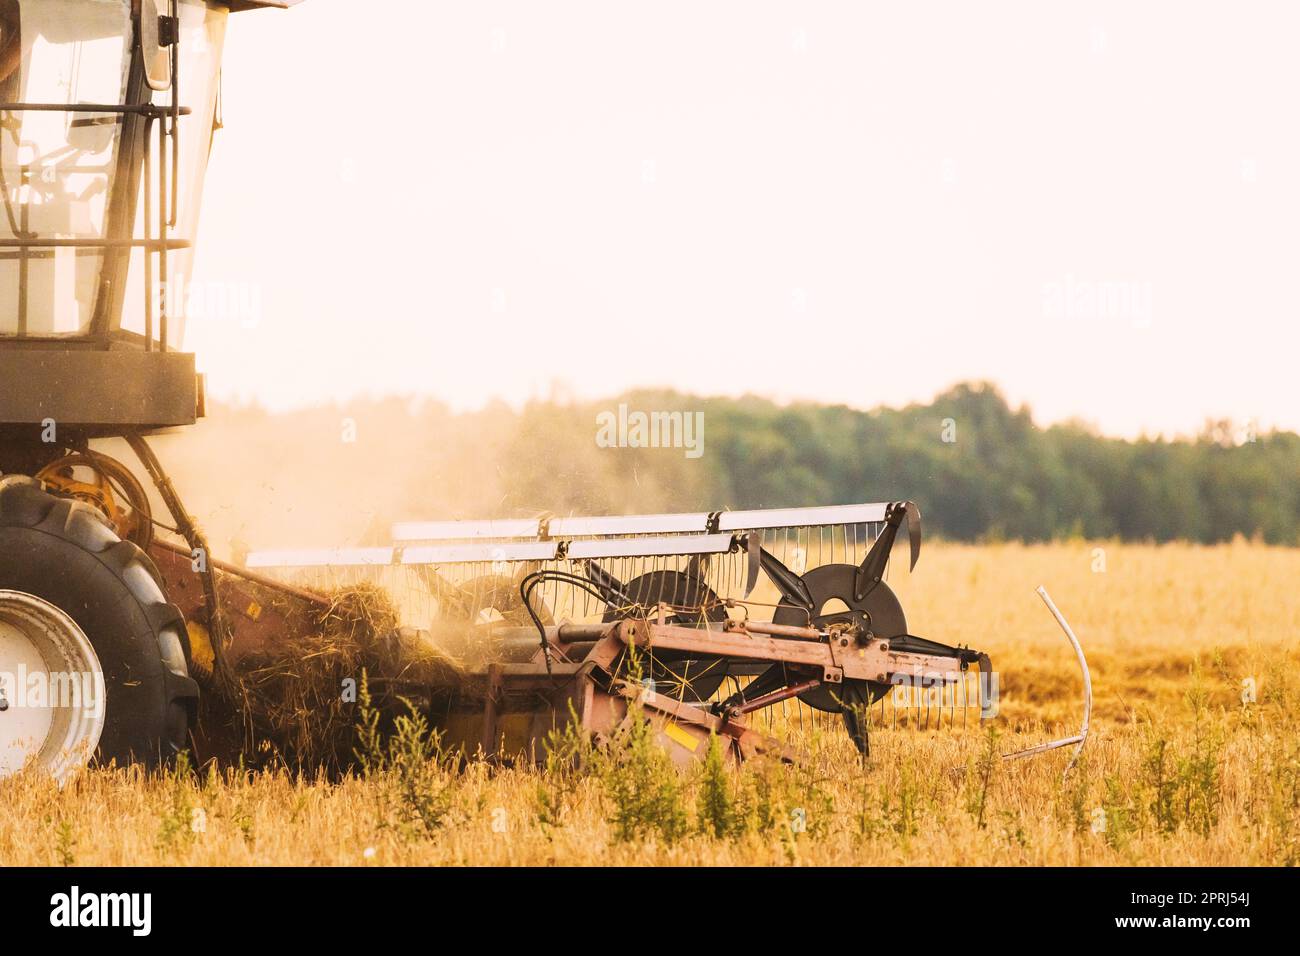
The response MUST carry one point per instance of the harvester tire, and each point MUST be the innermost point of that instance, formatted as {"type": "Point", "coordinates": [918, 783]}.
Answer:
{"type": "Point", "coordinates": [64, 552]}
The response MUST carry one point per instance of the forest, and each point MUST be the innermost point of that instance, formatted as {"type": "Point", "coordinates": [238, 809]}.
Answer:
{"type": "Point", "coordinates": [979, 469]}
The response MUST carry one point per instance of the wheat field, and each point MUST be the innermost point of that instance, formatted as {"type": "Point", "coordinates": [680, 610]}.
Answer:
{"type": "Point", "coordinates": [1194, 756]}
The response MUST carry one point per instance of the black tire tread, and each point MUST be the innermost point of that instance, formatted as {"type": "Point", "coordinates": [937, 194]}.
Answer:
{"type": "Point", "coordinates": [24, 505]}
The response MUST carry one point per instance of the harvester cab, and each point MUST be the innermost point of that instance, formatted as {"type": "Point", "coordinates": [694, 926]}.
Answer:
{"type": "Point", "coordinates": [704, 623]}
{"type": "Point", "coordinates": [107, 112]}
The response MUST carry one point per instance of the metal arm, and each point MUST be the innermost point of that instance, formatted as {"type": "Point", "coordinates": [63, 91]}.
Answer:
{"type": "Point", "coordinates": [1081, 737]}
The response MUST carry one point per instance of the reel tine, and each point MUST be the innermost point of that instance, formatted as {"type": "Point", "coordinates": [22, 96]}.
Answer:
{"type": "Point", "coordinates": [964, 704]}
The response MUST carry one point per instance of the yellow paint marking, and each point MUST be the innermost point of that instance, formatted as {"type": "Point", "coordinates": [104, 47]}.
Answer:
{"type": "Point", "coordinates": [679, 736]}
{"type": "Point", "coordinates": [200, 646]}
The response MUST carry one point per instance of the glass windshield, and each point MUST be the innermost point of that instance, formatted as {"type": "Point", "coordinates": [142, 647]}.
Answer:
{"type": "Point", "coordinates": [56, 167]}
{"type": "Point", "coordinates": [202, 37]}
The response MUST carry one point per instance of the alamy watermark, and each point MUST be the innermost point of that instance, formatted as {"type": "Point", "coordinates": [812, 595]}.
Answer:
{"type": "Point", "coordinates": [1098, 300]}
{"type": "Point", "coordinates": [657, 429]}
{"type": "Point", "coordinates": [225, 301]}
{"type": "Point", "coordinates": [945, 690]}
{"type": "Point", "coordinates": [133, 911]}
{"type": "Point", "coordinates": [55, 690]}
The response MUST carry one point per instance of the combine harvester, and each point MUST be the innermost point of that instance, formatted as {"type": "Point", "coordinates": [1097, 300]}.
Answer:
{"type": "Point", "coordinates": [143, 645]}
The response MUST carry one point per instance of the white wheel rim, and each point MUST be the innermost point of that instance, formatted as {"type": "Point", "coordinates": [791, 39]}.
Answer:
{"type": "Point", "coordinates": [51, 689]}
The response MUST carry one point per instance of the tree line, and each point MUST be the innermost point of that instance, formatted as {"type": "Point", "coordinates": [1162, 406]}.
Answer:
{"type": "Point", "coordinates": [978, 468]}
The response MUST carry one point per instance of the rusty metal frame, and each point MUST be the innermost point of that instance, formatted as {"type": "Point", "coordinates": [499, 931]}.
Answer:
{"type": "Point", "coordinates": [603, 693]}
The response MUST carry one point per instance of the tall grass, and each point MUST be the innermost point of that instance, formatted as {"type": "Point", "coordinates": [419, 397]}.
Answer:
{"type": "Point", "coordinates": [1194, 759]}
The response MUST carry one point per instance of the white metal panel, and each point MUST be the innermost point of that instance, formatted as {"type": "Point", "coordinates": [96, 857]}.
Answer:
{"type": "Point", "coordinates": [801, 517]}
{"type": "Point", "coordinates": [651, 547]}
{"type": "Point", "coordinates": [577, 527]}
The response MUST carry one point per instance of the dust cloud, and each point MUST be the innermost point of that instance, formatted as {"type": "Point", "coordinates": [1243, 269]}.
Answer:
{"type": "Point", "coordinates": [341, 476]}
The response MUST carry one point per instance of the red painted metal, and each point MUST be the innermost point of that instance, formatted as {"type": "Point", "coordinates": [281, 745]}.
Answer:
{"type": "Point", "coordinates": [767, 700]}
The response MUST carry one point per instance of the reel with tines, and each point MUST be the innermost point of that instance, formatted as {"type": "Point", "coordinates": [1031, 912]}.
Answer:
{"type": "Point", "coordinates": [688, 602]}
{"type": "Point", "coordinates": [106, 485]}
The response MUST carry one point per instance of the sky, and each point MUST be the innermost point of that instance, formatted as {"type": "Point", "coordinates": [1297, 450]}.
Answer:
{"type": "Point", "coordinates": [1094, 206]}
